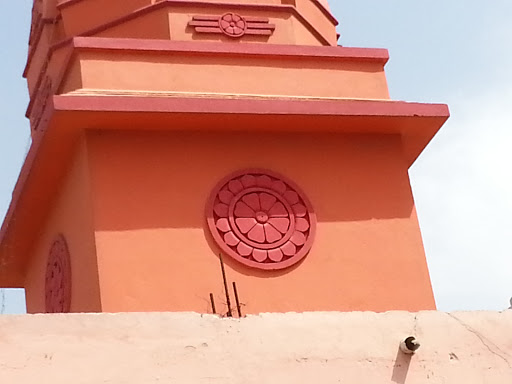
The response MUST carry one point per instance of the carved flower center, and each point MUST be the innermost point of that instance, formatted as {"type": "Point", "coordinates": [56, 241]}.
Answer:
{"type": "Point", "coordinates": [261, 217]}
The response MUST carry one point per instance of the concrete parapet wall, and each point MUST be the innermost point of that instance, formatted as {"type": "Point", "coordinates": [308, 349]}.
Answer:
{"type": "Point", "coordinates": [466, 347]}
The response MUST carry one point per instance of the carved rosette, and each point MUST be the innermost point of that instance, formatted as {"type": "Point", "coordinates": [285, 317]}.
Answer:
{"type": "Point", "coordinates": [233, 25]}
{"type": "Point", "coordinates": [58, 278]}
{"type": "Point", "coordinates": [261, 220]}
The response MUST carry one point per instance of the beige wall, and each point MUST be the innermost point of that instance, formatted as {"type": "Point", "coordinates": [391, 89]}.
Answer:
{"type": "Point", "coordinates": [459, 348]}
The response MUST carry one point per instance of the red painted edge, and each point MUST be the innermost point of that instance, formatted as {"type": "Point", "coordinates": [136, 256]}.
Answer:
{"type": "Point", "coordinates": [67, 3]}
{"type": "Point", "coordinates": [37, 36]}
{"type": "Point", "coordinates": [57, 81]}
{"type": "Point", "coordinates": [377, 55]}
{"type": "Point", "coordinates": [37, 86]}
{"type": "Point", "coordinates": [248, 106]}
{"type": "Point", "coordinates": [326, 12]}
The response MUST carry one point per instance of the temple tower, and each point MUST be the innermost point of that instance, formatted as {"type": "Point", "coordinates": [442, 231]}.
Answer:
{"type": "Point", "coordinates": [168, 132]}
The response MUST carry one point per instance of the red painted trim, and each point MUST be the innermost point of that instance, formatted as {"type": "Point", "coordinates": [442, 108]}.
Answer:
{"type": "Point", "coordinates": [205, 18]}
{"type": "Point", "coordinates": [33, 95]}
{"type": "Point", "coordinates": [326, 12]}
{"type": "Point", "coordinates": [42, 73]}
{"type": "Point", "coordinates": [209, 29]}
{"type": "Point", "coordinates": [177, 3]}
{"type": "Point", "coordinates": [200, 23]}
{"type": "Point", "coordinates": [260, 25]}
{"type": "Point", "coordinates": [35, 40]}
{"type": "Point", "coordinates": [247, 106]}
{"type": "Point", "coordinates": [260, 32]}
{"type": "Point", "coordinates": [68, 3]}
{"type": "Point", "coordinates": [212, 24]}
{"type": "Point", "coordinates": [376, 55]}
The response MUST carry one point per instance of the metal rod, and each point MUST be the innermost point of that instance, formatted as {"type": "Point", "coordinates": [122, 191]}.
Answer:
{"type": "Point", "coordinates": [239, 309]}
{"type": "Point", "coordinates": [212, 300]}
{"type": "Point", "coordinates": [228, 301]}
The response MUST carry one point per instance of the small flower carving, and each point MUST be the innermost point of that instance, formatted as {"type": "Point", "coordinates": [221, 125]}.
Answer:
{"type": "Point", "coordinates": [233, 25]}
{"type": "Point", "coordinates": [261, 220]}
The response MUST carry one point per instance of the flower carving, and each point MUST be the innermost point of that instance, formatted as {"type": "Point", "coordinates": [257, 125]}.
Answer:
{"type": "Point", "coordinates": [58, 278]}
{"type": "Point", "coordinates": [261, 220]}
{"type": "Point", "coordinates": [232, 24]}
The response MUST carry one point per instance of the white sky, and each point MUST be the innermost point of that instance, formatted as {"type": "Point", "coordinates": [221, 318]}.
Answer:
{"type": "Point", "coordinates": [454, 52]}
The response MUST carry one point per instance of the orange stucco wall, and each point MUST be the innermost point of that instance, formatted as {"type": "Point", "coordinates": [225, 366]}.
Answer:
{"type": "Point", "coordinates": [313, 23]}
{"type": "Point", "coordinates": [155, 252]}
{"type": "Point", "coordinates": [220, 75]}
{"type": "Point", "coordinates": [70, 215]}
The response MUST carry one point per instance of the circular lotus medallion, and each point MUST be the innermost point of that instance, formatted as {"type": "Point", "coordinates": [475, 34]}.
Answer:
{"type": "Point", "coordinates": [232, 25]}
{"type": "Point", "coordinates": [260, 219]}
{"type": "Point", "coordinates": [58, 278]}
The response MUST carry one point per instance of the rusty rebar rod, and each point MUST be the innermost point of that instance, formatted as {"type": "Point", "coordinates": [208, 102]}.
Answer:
{"type": "Point", "coordinates": [228, 300]}
{"type": "Point", "coordinates": [238, 307]}
{"type": "Point", "coordinates": [212, 301]}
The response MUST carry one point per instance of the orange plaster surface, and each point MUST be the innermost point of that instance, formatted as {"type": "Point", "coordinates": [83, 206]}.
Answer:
{"type": "Point", "coordinates": [229, 75]}
{"type": "Point", "coordinates": [155, 252]}
{"type": "Point", "coordinates": [70, 214]}
{"type": "Point", "coordinates": [81, 17]}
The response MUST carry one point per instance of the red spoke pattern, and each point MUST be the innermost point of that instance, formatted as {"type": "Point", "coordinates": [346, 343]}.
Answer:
{"type": "Point", "coordinates": [232, 25]}
{"type": "Point", "coordinates": [261, 220]}
{"type": "Point", "coordinates": [58, 278]}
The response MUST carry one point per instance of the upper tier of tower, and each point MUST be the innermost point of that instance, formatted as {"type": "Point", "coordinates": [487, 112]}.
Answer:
{"type": "Point", "coordinates": [270, 49]}
{"type": "Point", "coordinates": [290, 22]}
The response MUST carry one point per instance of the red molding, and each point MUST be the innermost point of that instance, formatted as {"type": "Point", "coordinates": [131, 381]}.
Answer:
{"type": "Point", "coordinates": [67, 3]}
{"type": "Point", "coordinates": [36, 38]}
{"type": "Point", "coordinates": [249, 106]}
{"type": "Point", "coordinates": [326, 12]}
{"type": "Point", "coordinates": [377, 55]}
{"type": "Point", "coordinates": [34, 94]}
{"type": "Point", "coordinates": [251, 25]}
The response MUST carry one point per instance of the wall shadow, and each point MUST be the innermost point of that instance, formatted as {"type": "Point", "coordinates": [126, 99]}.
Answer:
{"type": "Point", "coordinates": [401, 367]}
{"type": "Point", "coordinates": [145, 180]}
